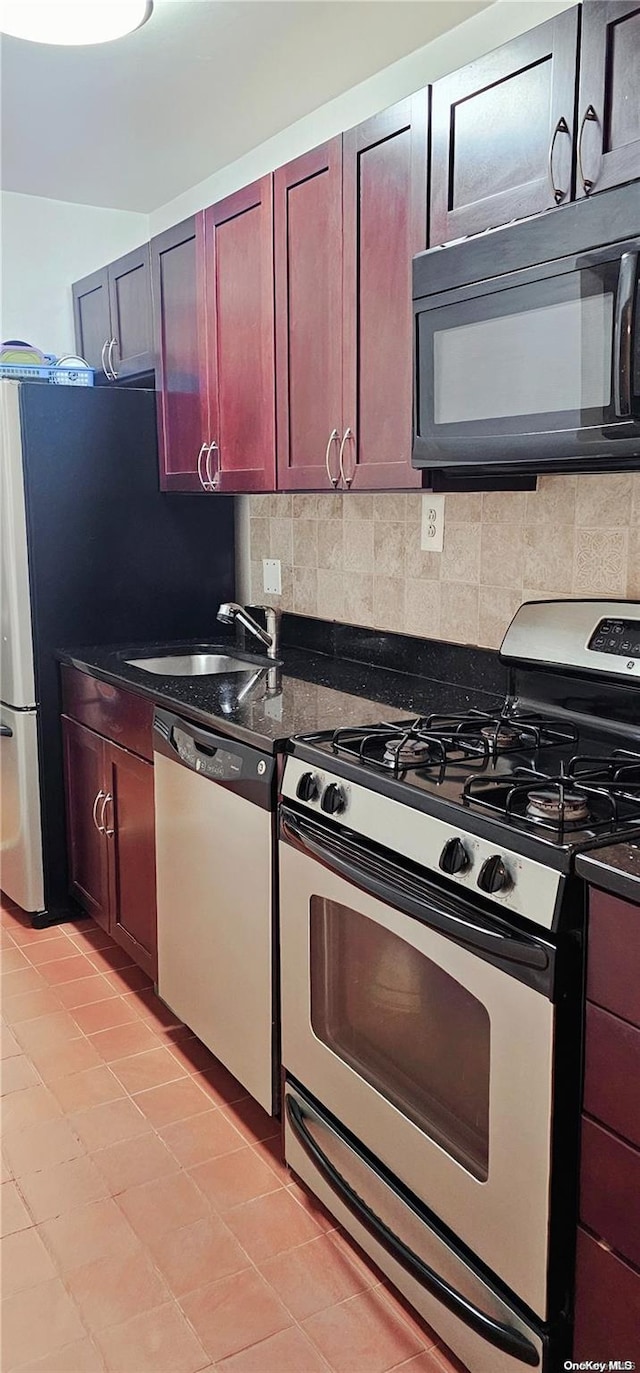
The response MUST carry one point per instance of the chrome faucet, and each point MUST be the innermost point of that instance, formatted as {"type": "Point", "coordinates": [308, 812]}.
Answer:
{"type": "Point", "coordinates": [229, 612]}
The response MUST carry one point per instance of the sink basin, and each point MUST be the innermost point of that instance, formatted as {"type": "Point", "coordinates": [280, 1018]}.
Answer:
{"type": "Point", "coordinates": [195, 664]}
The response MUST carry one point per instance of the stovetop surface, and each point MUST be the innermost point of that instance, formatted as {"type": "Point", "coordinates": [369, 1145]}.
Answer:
{"type": "Point", "coordinates": [563, 786]}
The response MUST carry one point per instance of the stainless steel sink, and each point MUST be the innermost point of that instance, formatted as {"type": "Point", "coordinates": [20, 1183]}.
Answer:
{"type": "Point", "coordinates": [196, 664]}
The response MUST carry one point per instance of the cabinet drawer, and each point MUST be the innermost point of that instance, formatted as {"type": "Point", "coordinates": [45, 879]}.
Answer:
{"type": "Point", "coordinates": [609, 1189]}
{"type": "Point", "coordinates": [117, 714]}
{"type": "Point", "coordinates": [613, 960]}
{"type": "Point", "coordinates": [607, 1314]}
{"type": "Point", "coordinates": [612, 1073]}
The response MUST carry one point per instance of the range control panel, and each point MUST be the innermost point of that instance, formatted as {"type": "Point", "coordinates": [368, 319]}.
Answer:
{"type": "Point", "coordinates": [621, 637]}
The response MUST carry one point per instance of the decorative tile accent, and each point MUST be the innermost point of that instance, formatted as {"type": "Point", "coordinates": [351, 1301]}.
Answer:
{"type": "Point", "coordinates": [601, 562]}
{"type": "Point", "coordinates": [356, 556]}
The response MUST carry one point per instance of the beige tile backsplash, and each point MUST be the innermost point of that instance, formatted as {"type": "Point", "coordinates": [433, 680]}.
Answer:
{"type": "Point", "coordinates": [358, 558]}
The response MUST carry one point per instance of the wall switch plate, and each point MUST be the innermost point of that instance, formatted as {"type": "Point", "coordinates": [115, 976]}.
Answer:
{"type": "Point", "coordinates": [432, 535]}
{"type": "Point", "coordinates": [271, 578]}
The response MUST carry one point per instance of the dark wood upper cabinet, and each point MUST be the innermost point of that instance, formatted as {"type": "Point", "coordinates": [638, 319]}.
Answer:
{"type": "Point", "coordinates": [609, 107]}
{"type": "Point", "coordinates": [130, 830]}
{"type": "Point", "coordinates": [84, 758]}
{"type": "Point", "coordinates": [384, 225]}
{"type": "Point", "coordinates": [112, 314]}
{"type": "Point", "coordinates": [92, 319]}
{"type": "Point", "coordinates": [174, 283]}
{"type": "Point", "coordinates": [238, 394]}
{"type": "Point", "coordinates": [502, 132]}
{"type": "Point", "coordinates": [308, 277]}
{"type": "Point", "coordinates": [130, 306]}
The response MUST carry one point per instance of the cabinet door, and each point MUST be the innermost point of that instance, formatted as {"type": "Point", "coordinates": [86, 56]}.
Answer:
{"type": "Point", "coordinates": [502, 132]}
{"type": "Point", "coordinates": [308, 253]}
{"type": "Point", "coordinates": [130, 835]}
{"type": "Point", "coordinates": [384, 224]}
{"type": "Point", "coordinates": [84, 764]}
{"type": "Point", "coordinates": [609, 107]}
{"type": "Point", "coordinates": [240, 366]}
{"type": "Point", "coordinates": [174, 282]}
{"type": "Point", "coordinates": [92, 319]}
{"type": "Point", "coordinates": [130, 306]}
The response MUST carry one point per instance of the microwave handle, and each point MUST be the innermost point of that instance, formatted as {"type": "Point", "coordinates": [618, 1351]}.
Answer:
{"type": "Point", "coordinates": [624, 325]}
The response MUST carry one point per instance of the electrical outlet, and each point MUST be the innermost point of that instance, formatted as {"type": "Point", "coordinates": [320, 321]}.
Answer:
{"type": "Point", "coordinates": [271, 578]}
{"type": "Point", "coordinates": [432, 535]}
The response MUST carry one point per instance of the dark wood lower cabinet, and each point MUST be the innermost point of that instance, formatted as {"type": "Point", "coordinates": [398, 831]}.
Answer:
{"type": "Point", "coordinates": [607, 1306]}
{"type": "Point", "coordinates": [88, 857]}
{"type": "Point", "coordinates": [111, 839]}
{"type": "Point", "coordinates": [132, 871]}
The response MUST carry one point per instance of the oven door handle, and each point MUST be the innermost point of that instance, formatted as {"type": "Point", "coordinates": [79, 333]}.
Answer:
{"type": "Point", "coordinates": [522, 956]}
{"type": "Point", "coordinates": [624, 330]}
{"type": "Point", "coordinates": [503, 1337]}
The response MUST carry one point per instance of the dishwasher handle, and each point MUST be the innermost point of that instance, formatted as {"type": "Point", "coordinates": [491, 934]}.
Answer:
{"type": "Point", "coordinates": [217, 757]}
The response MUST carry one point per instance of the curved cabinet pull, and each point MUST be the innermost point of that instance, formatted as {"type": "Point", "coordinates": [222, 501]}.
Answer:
{"type": "Point", "coordinates": [103, 360]}
{"type": "Point", "coordinates": [103, 823]}
{"type": "Point", "coordinates": [114, 374]}
{"type": "Point", "coordinates": [333, 438]}
{"type": "Point", "coordinates": [348, 434]}
{"type": "Point", "coordinates": [589, 117]}
{"type": "Point", "coordinates": [213, 479]}
{"type": "Point", "coordinates": [561, 127]}
{"type": "Point", "coordinates": [201, 479]}
{"type": "Point", "coordinates": [100, 796]}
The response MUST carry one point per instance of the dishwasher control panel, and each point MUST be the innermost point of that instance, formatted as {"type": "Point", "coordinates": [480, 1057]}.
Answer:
{"type": "Point", "coordinates": [209, 759]}
{"type": "Point", "coordinates": [227, 761]}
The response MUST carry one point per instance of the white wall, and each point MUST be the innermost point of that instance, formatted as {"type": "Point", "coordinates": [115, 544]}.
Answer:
{"type": "Point", "coordinates": [480, 34]}
{"type": "Point", "coordinates": [44, 246]}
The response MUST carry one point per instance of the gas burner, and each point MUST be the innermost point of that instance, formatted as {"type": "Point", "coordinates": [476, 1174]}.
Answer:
{"type": "Point", "coordinates": [556, 804]}
{"type": "Point", "coordinates": [408, 752]}
{"type": "Point", "coordinates": [502, 737]}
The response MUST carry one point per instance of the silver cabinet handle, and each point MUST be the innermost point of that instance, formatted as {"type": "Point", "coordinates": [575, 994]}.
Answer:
{"type": "Point", "coordinates": [348, 434]}
{"type": "Point", "coordinates": [114, 374]}
{"type": "Point", "coordinates": [333, 438]}
{"type": "Point", "coordinates": [589, 117]}
{"type": "Point", "coordinates": [561, 127]}
{"type": "Point", "coordinates": [200, 476]}
{"type": "Point", "coordinates": [102, 357]}
{"type": "Point", "coordinates": [100, 796]}
{"type": "Point", "coordinates": [212, 479]}
{"type": "Point", "coordinates": [109, 832]}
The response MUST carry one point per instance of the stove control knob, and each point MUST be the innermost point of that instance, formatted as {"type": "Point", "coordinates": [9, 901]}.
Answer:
{"type": "Point", "coordinates": [454, 857]}
{"type": "Point", "coordinates": [494, 875]}
{"type": "Point", "coordinates": [308, 788]}
{"type": "Point", "coordinates": [333, 799]}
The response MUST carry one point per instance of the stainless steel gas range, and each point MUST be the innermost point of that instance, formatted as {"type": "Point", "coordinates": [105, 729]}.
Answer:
{"type": "Point", "coordinates": [432, 977]}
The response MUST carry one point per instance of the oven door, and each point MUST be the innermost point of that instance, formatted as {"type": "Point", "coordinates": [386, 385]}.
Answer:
{"type": "Point", "coordinates": [527, 370]}
{"type": "Point", "coordinates": [423, 1027]}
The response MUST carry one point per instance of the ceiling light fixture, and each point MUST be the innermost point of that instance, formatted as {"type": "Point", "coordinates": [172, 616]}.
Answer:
{"type": "Point", "coordinates": [72, 22]}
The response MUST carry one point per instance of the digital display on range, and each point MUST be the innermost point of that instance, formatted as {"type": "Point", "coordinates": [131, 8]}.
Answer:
{"type": "Point", "coordinates": [621, 637]}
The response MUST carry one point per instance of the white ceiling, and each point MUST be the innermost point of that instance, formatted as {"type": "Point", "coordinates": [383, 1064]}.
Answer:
{"type": "Point", "coordinates": [134, 123]}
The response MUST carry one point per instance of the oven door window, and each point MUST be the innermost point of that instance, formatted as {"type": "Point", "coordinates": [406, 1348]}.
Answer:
{"type": "Point", "coordinates": [406, 1026]}
{"type": "Point", "coordinates": [525, 359]}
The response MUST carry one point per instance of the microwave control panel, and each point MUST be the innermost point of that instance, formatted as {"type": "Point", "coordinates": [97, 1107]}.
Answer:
{"type": "Point", "coordinates": [620, 637]}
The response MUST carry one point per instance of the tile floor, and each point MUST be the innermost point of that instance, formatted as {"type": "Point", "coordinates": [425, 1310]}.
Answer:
{"type": "Point", "coordinates": [148, 1222]}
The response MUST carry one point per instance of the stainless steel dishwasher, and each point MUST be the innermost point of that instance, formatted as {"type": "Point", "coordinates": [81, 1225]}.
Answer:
{"type": "Point", "coordinates": [215, 864]}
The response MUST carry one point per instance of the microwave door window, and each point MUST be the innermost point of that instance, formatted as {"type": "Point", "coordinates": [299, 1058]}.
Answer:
{"type": "Point", "coordinates": [402, 1023]}
{"type": "Point", "coordinates": [544, 360]}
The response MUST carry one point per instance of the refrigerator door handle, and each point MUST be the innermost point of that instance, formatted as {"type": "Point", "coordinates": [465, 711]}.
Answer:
{"type": "Point", "coordinates": [6, 732]}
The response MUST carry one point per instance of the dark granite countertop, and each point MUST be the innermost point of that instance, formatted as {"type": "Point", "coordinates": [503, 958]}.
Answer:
{"type": "Point", "coordinates": [615, 869]}
{"type": "Point", "coordinates": [313, 691]}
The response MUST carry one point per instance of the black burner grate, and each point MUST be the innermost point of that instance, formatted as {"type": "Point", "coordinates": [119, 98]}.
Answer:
{"type": "Point", "coordinates": [590, 793]}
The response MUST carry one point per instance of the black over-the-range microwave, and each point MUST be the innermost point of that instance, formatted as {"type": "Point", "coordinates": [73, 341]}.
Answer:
{"type": "Point", "coordinates": [527, 344]}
